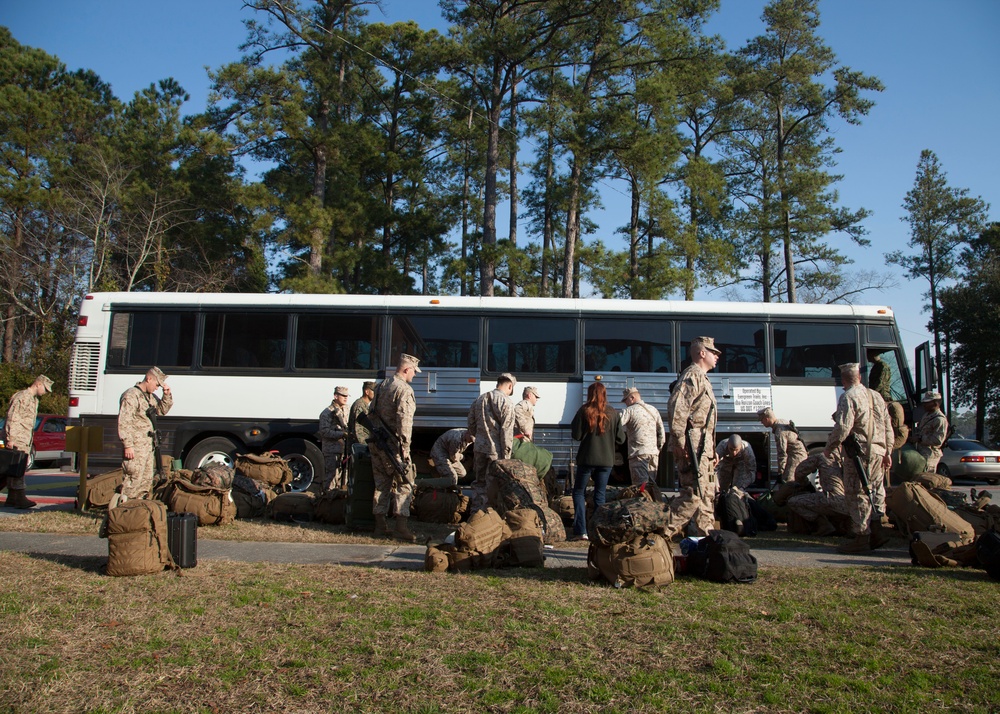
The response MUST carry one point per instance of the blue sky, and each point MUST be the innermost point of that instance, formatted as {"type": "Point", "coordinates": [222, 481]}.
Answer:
{"type": "Point", "coordinates": [939, 62]}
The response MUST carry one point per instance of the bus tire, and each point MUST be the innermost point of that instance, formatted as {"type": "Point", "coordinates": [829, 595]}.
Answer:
{"type": "Point", "coordinates": [305, 460]}
{"type": "Point", "coordinates": [215, 449]}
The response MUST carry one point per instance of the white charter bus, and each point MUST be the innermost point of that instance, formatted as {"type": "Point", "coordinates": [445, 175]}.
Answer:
{"type": "Point", "coordinates": [252, 372]}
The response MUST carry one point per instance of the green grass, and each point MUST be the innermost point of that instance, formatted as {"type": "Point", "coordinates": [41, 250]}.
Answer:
{"type": "Point", "coordinates": [277, 637]}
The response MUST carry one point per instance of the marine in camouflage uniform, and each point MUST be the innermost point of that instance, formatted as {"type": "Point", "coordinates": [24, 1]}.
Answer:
{"type": "Point", "coordinates": [491, 423]}
{"type": "Point", "coordinates": [524, 414]}
{"type": "Point", "coordinates": [861, 411]}
{"type": "Point", "coordinates": [394, 407]}
{"type": "Point", "coordinates": [448, 451]}
{"type": "Point", "coordinates": [358, 434]}
{"type": "Point", "coordinates": [135, 429]}
{"type": "Point", "coordinates": [20, 427]}
{"type": "Point", "coordinates": [692, 413]}
{"type": "Point", "coordinates": [737, 465]}
{"type": "Point", "coordinates": [830, 500]}
{"type": "Point", "coordinates": [333, 439]}
{"type": "Point", "coordinates": [791, 450]}
{"type": "Point", "coordinates": [646, 436]}
{"type": "Point", "coordinates": [931, 431]}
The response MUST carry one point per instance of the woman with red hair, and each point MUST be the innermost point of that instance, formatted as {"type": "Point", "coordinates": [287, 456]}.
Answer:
{"type": "Point", "coordinates": [598, 429]}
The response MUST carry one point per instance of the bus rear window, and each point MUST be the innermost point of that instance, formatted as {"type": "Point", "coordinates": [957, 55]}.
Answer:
{"type": "Point", "coordinates": [627, 346]}
{"type": "Point", "coordinates": [245, 340]}
{"type": "Point", "coordinates": [813, 351]}
{"type": "Point", "coordinates": [145, 339]}
{"type": "Point", "coordinates": [531, 345]}
{"type": "Point", "coordinates": [437, 341]}
{"type": "Point", "coordinates": [344, 342]}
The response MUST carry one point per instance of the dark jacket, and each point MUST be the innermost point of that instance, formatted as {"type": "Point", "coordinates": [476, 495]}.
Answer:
{"type": "Point", "coordinates": [597, 449]}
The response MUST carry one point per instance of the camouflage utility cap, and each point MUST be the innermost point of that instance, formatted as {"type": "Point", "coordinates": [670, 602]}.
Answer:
{"type": "Point", "coordinates": [708, 343]}
{"type": "Point", "coordinates": [409, 361]}
{"type": "Point", "coordinates": [626, 393]}
{"type": "Point", "coordinates": [930, 397]}
{"type": "Point", "coordinates": [157, 374]}
{"type": "Point", "coordinates": [531, 390]}
{"type": "Point", "coordinates": [341, 392]}
{"type": "Point", "coordinates": [45, 382]}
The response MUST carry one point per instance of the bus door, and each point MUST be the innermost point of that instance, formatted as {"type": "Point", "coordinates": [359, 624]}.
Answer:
{"type": "Point", "coordinates": [926, 377]}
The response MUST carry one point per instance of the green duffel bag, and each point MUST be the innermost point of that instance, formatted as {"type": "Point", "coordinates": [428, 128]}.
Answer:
{"type": "Point", "coordinates": [907, 464]}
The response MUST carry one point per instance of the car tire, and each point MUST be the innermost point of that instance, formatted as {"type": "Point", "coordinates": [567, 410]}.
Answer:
{"type": "Point", "coordinates": [944, 470]}
{"type": "Point", "coordinates": [215, 449]}
{"type": "Point", "coordinates": [304, 459]}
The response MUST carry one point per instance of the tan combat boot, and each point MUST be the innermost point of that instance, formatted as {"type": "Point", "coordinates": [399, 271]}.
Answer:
{"type": "Point", "coordinates": [824, 527]}
{"type": "Point", "coordinates": [859, 544]}
{"type": "Point", "coordinates": [381, 527]}
{"type": "Point", "coordinates": [17, 499]}
{"type": "Point", "coordinates": [402, 531]}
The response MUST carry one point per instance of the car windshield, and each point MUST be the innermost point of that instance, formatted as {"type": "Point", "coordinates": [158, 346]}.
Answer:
{"type": "Point", "coordinates": [965, 445]}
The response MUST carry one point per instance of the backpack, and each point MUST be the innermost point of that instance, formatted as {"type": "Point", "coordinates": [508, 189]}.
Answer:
{"type": "Point", "coordinates": [622, 521]}
{"type": "Point", "coordinates": [213, 507]}
{"type": "Point", "coordinates": [982, 519]}
{"type": "Point", "coordinates": [764, 518]}
{"type": "Point", "coordinates": [646, 560]}
{"type": "Point", "coordinates": [482, 533]}
{"type": "Point", "coordinates": [137, 538]}
{"type": "Point", "coordinates": [914, 508]}
{"type": "Point", "coordinates": [524, 550]}
{"type": "Point", "coordinates": [734, 514]}
{"type": "Point", "coordinates": [217, 476]}
{"type": "Point", "coordinates": [102, 487]}
{"type": "Point", "coordinates": [439, 505]}
{"type": "Point", "coordinates": [292, 506]}
{"type": "Point", "coordinates": [723, 558]}
{"type": "Point", "coordinates": [988, 553]}
{"type": "Point", "coordinates": [331, 507]}
{"type": "Point", "coordinates": [512, 484]}
{"type": "Point", "coordinates": [269, 468]}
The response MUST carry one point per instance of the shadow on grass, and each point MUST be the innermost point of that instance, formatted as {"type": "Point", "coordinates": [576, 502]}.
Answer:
{"type": "Point", "coordinates": [86, 563]}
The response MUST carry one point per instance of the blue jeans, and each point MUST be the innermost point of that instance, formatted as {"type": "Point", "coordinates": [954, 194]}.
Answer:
{"type": "Point", "coordinates": [600, 474]}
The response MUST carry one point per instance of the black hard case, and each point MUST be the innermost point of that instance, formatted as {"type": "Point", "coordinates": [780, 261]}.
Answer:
{"type": "Point", "coordinates": [13, 463]}
{"type": "Point", "coordinates": [182, 538]}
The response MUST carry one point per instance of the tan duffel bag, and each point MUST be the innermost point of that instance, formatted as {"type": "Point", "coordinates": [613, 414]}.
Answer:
{"type": "Point", "coordinates": [268, 468]}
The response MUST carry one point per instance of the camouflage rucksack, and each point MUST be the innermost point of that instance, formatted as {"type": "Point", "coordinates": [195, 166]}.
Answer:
{"type": "Point", "coordinates": [512, 484]}
{"type": "Point", "coordinates": [622, 521]}
{"type": "Point", "coordinates": [217, 476]}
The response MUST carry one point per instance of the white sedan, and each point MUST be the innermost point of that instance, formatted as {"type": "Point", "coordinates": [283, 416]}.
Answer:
{"type": "Point", "coordinates": [969, 459]}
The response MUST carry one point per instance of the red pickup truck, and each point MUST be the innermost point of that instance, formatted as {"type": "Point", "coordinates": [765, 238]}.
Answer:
{"type": "Point", "coordinates": [49, 439]}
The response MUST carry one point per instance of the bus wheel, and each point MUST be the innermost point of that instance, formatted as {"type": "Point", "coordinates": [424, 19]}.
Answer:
{"type": "Point", "coordinates": [214, 450]}
{"type": "Point", "coordinates": [304, 459]}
